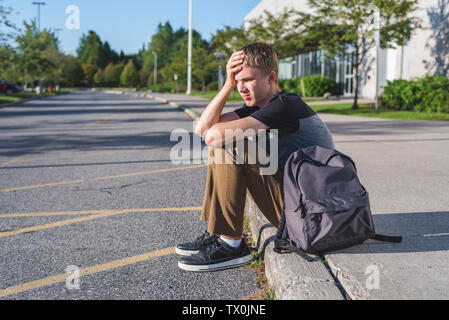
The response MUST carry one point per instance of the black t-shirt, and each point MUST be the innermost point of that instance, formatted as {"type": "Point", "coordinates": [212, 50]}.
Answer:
{"type": "Point", "coordinates": [297, 124]}
{"type": "Point", "coordinates": [282, 112]}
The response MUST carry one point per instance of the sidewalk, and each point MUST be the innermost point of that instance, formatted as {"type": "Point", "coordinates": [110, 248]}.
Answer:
{"type": "Point", "coordinates": [405, 167]}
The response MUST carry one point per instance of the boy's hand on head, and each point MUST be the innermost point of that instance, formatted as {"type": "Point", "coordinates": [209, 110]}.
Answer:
{"type": "Point", "coordinates": [233, 67]}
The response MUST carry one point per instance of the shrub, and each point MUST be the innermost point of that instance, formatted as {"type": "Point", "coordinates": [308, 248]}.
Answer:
{"type": "Point", "coordinates": [129, 76]}
{"type": "Point", "coordinates": [213, 86]}
{"type": "Point", "coordinates": [165, 87]}
{"type": "Point", "coordinates": [282, 84]}
{"type": "Point", "coordinates": [155, 87]}
{"type": "Point", "coordinates": [435, 94]}
{"type": "Point", "coordinates": [314, 86]}
{"type": "Point", "coordinates": [391, 97]}
{"type": "Point", "coordinates": [98, 78]}
{"type": "Point", "coordinates": [317, 86]}
{"type": "Point", "coordinates": [429, 94]}
{"type": "Point", "coordinates": [111, 75]}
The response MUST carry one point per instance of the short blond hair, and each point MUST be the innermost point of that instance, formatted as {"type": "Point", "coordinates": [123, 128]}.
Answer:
{"type": "Point", "coordinates": [261, 55]}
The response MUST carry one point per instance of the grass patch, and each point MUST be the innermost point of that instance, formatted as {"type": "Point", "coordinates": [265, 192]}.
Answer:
{"type": "Point", "coordinates": [369, 111]}
{"type": "Point", "coordinates": [269, 294]}
{"type": "Point", "coordinates": [258, 265]}
{"type": "Point", "coordinates": [8, 99]}
{"type": "Point", "coordinates": [26, 95]}
{"type": "Point", "coordinates": [234, 97]}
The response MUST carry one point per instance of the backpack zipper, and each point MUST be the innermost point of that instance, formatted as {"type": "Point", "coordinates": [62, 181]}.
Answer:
{"type": "Point", "coordinates": [303, 209]}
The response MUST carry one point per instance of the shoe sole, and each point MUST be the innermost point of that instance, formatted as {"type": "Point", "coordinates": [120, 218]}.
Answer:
{"type": "Point", "coordinates": [186, 253]}
{"type": "Point", "coordinates": [238, 262]}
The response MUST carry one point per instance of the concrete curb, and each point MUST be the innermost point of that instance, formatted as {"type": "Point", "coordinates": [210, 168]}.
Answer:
{"type": "Point", "coordinates": [292, 277]}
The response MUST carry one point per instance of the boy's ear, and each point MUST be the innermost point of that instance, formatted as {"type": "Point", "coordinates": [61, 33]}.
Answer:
{"type": "Point", "coordinates": [272, 77]}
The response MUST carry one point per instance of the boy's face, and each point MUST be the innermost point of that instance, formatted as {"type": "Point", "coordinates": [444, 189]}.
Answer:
{"type": "Point", "coordinates": [253, 85]}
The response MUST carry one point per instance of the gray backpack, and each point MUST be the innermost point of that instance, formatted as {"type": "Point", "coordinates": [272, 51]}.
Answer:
{"type": "Point", "coordinates": [325, 206]}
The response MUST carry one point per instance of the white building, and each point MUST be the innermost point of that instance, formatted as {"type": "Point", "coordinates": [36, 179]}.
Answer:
{"type": "Point", "coordinates": [427, 52]}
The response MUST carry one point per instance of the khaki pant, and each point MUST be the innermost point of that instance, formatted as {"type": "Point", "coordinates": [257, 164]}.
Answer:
{"type": "Point", "coordinates": [226, 188]}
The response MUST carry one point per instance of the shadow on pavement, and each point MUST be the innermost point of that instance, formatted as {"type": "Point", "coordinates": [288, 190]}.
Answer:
{"type": "Point", "coordinates": [390, 127]}
{"type": "Point", "coordinates": [421, 231]}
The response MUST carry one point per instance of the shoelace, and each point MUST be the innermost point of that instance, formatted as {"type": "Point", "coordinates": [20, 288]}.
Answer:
{"type": "Point", "coordinates": [205, 236]}
{"type": "Point", "coordinates": [212, 248]}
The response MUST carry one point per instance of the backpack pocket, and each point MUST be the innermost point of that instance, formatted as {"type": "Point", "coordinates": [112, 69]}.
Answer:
{"type": "Point", "coordinates": [312, 227]}
{"type": "Point", "coordinates": [343, 229]}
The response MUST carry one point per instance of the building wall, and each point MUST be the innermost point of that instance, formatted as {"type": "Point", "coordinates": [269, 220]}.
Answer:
{"type": "Point", "coordinates": [427, 52]}
{"type": "Point", "coordinates": [416, 59]}
{"type": "Point", "coordinates": [275, 6]}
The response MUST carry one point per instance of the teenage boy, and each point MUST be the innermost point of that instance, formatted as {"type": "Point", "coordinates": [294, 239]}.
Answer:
{"type": "Point", "coordinates": [254, 71]}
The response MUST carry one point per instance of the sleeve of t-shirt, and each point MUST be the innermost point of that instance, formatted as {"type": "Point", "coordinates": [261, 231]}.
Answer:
{"type": "Point", "coordinates": [277, 114]}
{"type": "Point", "coordinates": [245, 111]}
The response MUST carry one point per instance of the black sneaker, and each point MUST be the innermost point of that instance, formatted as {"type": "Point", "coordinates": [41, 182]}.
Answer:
{"type": "Point", "coordinates": [217, 256]}
{"type": "Point", "coordinates": [189, 248]}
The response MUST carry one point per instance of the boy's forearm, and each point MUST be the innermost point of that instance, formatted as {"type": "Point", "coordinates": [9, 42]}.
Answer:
{"type": "Point", "coordinates": [211, 115]}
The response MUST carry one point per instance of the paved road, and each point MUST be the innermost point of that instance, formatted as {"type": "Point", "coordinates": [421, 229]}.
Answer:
{"type": "Point", "coordinates": [86, 181]}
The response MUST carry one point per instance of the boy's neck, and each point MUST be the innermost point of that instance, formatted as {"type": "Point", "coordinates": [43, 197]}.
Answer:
{"type": "Point", "coordinates": [274, 90]}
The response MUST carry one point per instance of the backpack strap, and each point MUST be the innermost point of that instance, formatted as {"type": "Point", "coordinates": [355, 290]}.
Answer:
{"type": "Point", "coordinates": [392, 239]}
{"type": "Point", "coordinates": [281, 243]}
{"type": "Point", "coordinates": [284, 246]}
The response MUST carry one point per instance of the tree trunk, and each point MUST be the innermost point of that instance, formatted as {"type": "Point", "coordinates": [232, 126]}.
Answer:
{"type": "Point", "coordinates": [203, 84]}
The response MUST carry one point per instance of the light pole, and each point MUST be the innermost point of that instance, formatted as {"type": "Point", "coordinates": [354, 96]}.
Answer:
{"type": "Point", "coordinates": [189, 54]}
{"type": "Point", "coordinates": [377, 41]}
{"type": "Point", "coordinates": [155, 68]}
{"type": "Point", "coordinates": [39, 4]}
{"type": "Point", "coordinates": [221, 57]}
{"type": "Point", "coordinates": [377, 26]}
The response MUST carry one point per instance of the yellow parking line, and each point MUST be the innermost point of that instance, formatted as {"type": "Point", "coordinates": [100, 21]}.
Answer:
{"type": "Point", "coordinates": [83, 212]}
{"type": "Point", "coordinates": [86, 271]}
{"type": "Point", "coordinates": [98, 214]}
{"type": "Point", "coordinates": [99, 178]}
{"type": "Point", "coordinates": [87, 155]}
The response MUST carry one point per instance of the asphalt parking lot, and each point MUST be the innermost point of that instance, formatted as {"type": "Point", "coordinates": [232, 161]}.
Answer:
{"type": "Point", "coordinates": [87, 188]}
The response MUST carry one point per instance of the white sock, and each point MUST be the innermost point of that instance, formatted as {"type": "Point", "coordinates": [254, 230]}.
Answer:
{"type": "Point", "coordinates": [232, 243]}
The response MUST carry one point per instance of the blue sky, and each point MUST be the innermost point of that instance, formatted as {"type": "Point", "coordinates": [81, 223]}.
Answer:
{"type": "Point", "coordinates": [126, 25]}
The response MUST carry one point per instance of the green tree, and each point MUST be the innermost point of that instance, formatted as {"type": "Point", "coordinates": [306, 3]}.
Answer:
{"type": "Point", "coordinates": [93, 51]}
{"type": "Point", "coordinates": [7, 63]}
{"type": "Point", "coordinates": [229, 40]}
{"type": "Point", "coordinates": [89, 72]}
{"type": "Point", "coordinates": [144, 77]}
{"type": "Point", "coordinates": [178, 63]}
{"type": "Point", "coordinates": [130, 76]}
{"type": "Point", "coordinates": [161, 43]}
{"type": "Point", "coordinates": [111, 75]}
{"type": "Point", "coordinates": [33, 49]}
{"type": "Point", "coordinates": [204, 64]}
{"type": "Point", "coordinates": [98, 78]}
{"type": "Point", "coordinates": [279, 30]}
{"type": "Point", "coordinates": [71, 71]}
{"type": "Point", "coordinates": [336, 25]}
{"type": "Point", "coordinates": [89, 50]}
